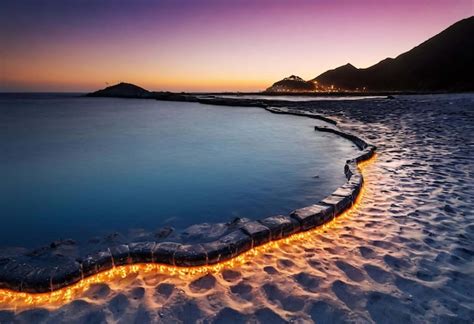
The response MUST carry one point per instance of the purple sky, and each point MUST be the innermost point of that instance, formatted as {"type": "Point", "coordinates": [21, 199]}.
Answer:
{"type": "Point", "coordinates": [204, 45]}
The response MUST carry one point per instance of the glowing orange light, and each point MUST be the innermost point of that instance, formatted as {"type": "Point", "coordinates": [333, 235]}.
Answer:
{"type": "Point", "coordinates": [17, 300]}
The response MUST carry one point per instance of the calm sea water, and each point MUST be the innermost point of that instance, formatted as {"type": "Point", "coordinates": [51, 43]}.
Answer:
{"type": "Point", "coordinates": [301, 98]}
{"type": "Point", "coordinates": [74, 167]}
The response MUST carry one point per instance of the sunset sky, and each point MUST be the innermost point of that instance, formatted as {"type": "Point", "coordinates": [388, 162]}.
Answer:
{"type": "Point", "coordinates": [204, 45]}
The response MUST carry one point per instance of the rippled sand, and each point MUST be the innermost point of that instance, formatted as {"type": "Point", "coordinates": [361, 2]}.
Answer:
{"type": "Point", "coordinates": [406, 255]}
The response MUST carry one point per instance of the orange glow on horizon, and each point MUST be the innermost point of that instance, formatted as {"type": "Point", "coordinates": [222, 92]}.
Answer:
{"type": "Point", "coordinates": [204, 45]}
{"type": "Point", "coordinates": [64, 83]}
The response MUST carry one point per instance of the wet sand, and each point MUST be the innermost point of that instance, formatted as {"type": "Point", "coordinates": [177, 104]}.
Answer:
{"type": "Point", "coordinates": [406, 254]}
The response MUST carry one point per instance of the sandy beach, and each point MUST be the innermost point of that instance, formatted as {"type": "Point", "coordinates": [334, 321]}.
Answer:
{"type": "Point", "coordinates": [405, 255]}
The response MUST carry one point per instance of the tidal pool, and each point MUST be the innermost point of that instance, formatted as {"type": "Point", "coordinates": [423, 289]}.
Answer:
{"type": "Point", "coordinates": [76, 167]}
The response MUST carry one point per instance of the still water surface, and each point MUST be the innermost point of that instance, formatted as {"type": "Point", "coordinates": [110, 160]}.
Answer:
{"type": "Point", "coordinates": [75, 167]}
{"type": "Point", "coordinates": [301, 98]}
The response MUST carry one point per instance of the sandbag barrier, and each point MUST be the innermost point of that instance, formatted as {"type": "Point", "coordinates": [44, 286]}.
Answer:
{"type": "Point", "coordinates": [42, 277]}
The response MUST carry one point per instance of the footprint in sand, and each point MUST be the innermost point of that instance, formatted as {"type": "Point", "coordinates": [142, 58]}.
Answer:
{"type": "Point", "coordinates": [285, 264]}
{"type": "Point", "coordinates": [352, 272]}
{"type": "Point", "coordinates": [137, 293]}
{"type": "Point", "coordinates": [243, 290]}
{"type": "Point", "coordinates": [270, 270]}
{"type": "Point", "coordinates": [266, 315]}
{"type": "Point", "coordinates": [323, 312]}
{"type": "Point", "coordinates": [29, 316]}
{"type": "Point", "coordinates": [78, 311]}
{"type": "Point", "coordinates": [307, 281]}
{"type": "Point", "coordinates": [395, 263]}
{"type": "Point", "coordinates": [203, 284]}
{"type": "Point", "coordinates": [377, 274]}
{"type": "Point", "coordinates": [229, 315]}
{"type": "Point", "coordinates": [230, 275]}
{"type": "Point", "coordinates": [118, 305]}
{"type": "Point", "coordinates": [384, 308]}
{"type": "Point", "coordinates": [164, 290]}
{"type": "Point", "coordinates": [97, 291]}
{"type": "Point", "coordinates": [367, 253]}
{"type": "Point", "coordinates": [348, 294]}
{"type": "Point", "coordinates": [285, 299]}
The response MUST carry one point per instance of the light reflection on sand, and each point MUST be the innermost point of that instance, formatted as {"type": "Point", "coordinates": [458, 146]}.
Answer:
{"type": "Point", "coordinates": [118, 275]}
{"type": "Point", "coordinates": [405, 256]}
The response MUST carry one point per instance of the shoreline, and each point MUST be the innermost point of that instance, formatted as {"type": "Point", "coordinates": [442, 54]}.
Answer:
{"type": "Point", "coordinates": [24, 278]}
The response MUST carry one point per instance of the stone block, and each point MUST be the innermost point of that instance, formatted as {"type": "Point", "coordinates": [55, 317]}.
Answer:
{"type": "Point", "coordinates": [259, 233]}
{"type": "Point", "coordinates": [217, 251]}
{"type": "Point", "coordinates": [238, 241]}
{"type": "Point", "coordinates": [37, 279]}
{"type": "Point", "coordinates": [281, 226]}
{"type": "Point", "coordinates": [351, 168]}
{"type": "Point", "coordinates": [11, 274]}
{"type": "Point", "coordinates": [354, 185]}
{"type": "Point", "coordinates": [24, 276]}
{"type": "Point", "coordinates": [190, 255]}
{"type": "Point", "coordinates": [227, 246]}
{"type": "Point", "coordinates": [164, 252]}
{"type": "Point", "coordinates": [120, 254]}
{"type": "Point", "coordinates": [340, 203]}
{"type": "Point", "coordinates": [66, 274]}
{"type": "Point", "coordinates": [343, 191]}
{"type": "Point", "coordinates": [141, 252]}
{"type": "Point", "coordinates": [96, 263]}
{"type": "Point", "coordinates": [367, 153]}
{"type": "Point", "coordinates": [313, 215]}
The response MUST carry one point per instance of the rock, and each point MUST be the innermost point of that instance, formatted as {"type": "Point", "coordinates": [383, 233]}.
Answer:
{"type": "Point", "coordinates": [204, 232]}
{"type": "Point", "coordinates": [120, 254]}
{"type": "Point", "coordinates": [12, 273]}
{"type": "Point", "coordinates": [190, 255]}
{"type": "Point", "coordinates": [235, 221]}
{"type": "Point", "coordinates": [259, 233]}
{"type": "Point", "coordinates": [367, 153]}
{"type": "Point", "coordinates": [58, 243]}
{"type": "Point", "coordinates": [344, 192]}
{"type": "Point", "coordinates": [313, 215]}
{"type": "Point", "coordinates": [164, 232]}
{"type": "Point", "coordinates": [354, 185]}
{"type": "Point", "coordinates": [164, 252]}
{"type": "Point", "coordinates": [361, 144]}
{"type": "Point", "coordinates": [122, 90]}
{"type": "Point", "coordinates": [35, 278]}
{"type": "Point", "coordinates": [141, 252]}
{"type": "Point", "coordinates": [238, 241]}
{"type": "Point", "coordinates": [66, 274]}
{"type": "Point", "coordinates": [291, 83]}
{"type": "Point", "coordinates": [113, 237]}
{"type": "Point", "coordinates": [227, 246]}
{"type": "Point", "coordinates": [281, 226]}
{"type": "Point", "coordinates": [96, 263]}
{"type": "Point", "coordinates": [339, 203]}
{"type": "Point", "coordinates": [351, 168]}
{"type": "Point", "coordinates": [217, 251]}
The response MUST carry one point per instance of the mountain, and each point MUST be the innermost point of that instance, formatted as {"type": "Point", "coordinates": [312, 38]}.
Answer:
{"type": "Point", "coordinates": [122, 90]}
{"type": "Point", "coordinates": [444, 62]}
{"type": "Point", "coordinates": [292, 83]}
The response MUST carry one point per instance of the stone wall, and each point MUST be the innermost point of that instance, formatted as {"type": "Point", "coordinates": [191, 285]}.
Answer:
{"type": "Point", "coordinates": [45, 276]}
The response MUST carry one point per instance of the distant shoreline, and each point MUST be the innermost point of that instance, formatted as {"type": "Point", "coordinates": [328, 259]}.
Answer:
{"type": "Point", "coordinates": [254, 93]}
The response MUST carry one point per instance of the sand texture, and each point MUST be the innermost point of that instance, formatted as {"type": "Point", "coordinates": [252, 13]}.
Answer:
{"type": "Point", "coordinates": [405, 255]}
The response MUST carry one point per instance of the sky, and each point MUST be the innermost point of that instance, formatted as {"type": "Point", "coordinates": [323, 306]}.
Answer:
{"type": "Point", "coordinates": [204, 45]}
